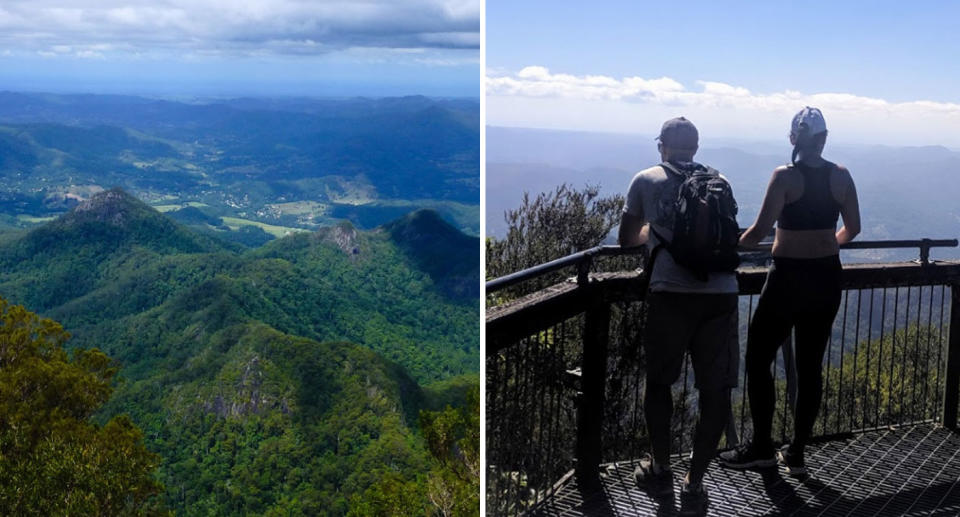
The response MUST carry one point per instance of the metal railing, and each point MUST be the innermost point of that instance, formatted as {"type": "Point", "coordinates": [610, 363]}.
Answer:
{"type": "Point", "coordinates": [565, 370]}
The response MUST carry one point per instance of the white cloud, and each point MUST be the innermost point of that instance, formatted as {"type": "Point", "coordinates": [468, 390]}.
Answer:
{"type": "Point", "coordinates": [535, 96]}
{"type": "Point", "coordinates": [237, 27]}
{"type": "Point", "coordinates": [537, 81]}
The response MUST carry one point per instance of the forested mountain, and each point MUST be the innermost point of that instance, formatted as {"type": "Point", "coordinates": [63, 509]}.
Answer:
{"type": "Point", "coordinates": [287, 163]}
{"type": "Point", "coordinates": [285, 378]}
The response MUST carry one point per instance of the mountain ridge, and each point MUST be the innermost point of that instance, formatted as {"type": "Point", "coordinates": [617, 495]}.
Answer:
{"type": "Point", "coordinates": [309, 356]}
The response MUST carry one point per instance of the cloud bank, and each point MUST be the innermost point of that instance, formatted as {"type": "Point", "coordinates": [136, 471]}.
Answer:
{"type": "Point", "coordinates": [98, 29]}
{"type": "Point", "coordinates": [535, 90]}
{"type": "Point", "coordinates": [537, 81]}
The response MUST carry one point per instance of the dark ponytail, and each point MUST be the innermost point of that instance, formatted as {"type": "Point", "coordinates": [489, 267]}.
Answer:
{"type": "Point", "coordinates": [805, 141]}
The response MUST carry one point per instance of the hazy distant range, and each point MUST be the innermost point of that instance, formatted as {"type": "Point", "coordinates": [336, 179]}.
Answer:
{"type": "Point", "coordinates": [275, 165]}
{"type": "Point", "coordinates": [905, 192]}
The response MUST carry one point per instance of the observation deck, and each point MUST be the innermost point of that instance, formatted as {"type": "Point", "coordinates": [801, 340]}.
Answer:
{"type": "Point", "coordinates": [565, 374]}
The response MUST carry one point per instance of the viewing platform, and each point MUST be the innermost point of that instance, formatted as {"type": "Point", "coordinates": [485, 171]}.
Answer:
{"type": "Point", "coordinates": [565, 376]}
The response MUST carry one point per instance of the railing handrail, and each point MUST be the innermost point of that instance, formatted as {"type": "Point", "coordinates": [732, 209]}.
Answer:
{"type": "Point", "coordinates": [584, 258]}
{"type": "Point", "coordinates": [580, 257]}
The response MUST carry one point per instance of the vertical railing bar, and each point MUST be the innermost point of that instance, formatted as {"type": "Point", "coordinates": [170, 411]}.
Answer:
{"type": "Point", "coordinates": [743, 387]}
{"type": "Point", "coordinates": [524, 416]}
{"type": "Point", "coordinates": [916, 354]}
{"type": "Point", "coordinates": [506, 465]}
{"type": "Point", "coordinates": [883, 320]}
{"type": "Point", "coordinates": [553, 380]}
{"type": "Point", "coordinates": [856, 360]}
{"type": "Point", "coordinates": [509, 371]}
{"type": "Point", "coordinates": [905, 364]}
{"type": "Point", "coordinates": [543, 349]}
{"type": "Point", "coordinates": [952, 373]}
{"type": "Point", "coordinates": [493, 381]}
{"type": "Point", "coordinates": [843, 352]}
{"type": "Point", "coordinates": [629, 371]}
{"type": "Point", "coordinates": [825, 414]}
{"type": "Point", "coordinates": [893, 355]}
{"type": "Point", "coordinates": [943, 301]}
{"type": "Point", "coordinates": [786, 389]}
{"type": "Point", "coordinates": [866, 380]}
{"type": "Point", "coordinates": [562, 391]}
{"type": "Point", "coordinates": [522, 397]}
{"type": "Point", "coordinates": [637, 404]}
{"type": "Point", "coordinates": [926, 375]}
{"type": "Point", "coordinates": [512, 480]}
{"type": "Point", "coordinates": [562, 397]}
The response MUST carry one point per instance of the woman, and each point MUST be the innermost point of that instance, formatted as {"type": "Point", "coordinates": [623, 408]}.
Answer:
{"type": "Point", "coordinates": [802, 290]}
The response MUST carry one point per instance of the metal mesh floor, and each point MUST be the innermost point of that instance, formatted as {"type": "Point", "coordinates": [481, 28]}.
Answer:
{"type": "Point", "coordinates": [905, 471]}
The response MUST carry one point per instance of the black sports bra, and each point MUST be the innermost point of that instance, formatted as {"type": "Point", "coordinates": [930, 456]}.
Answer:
{"type": "Point", "coordinates": [816, 209]}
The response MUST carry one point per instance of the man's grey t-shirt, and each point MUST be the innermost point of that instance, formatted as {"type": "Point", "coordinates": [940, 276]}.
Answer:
{"type": "Point", "coordinates": [651, 197]}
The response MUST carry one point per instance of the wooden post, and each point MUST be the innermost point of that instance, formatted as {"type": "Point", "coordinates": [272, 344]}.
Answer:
{"type": "Point", "coordinates": [590, 410]}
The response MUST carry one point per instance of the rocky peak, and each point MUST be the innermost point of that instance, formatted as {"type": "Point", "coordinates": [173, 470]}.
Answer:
{"type": "Point", "coordinates": [343, 235]}
{"type": "Point", "coordinates": [112, 206]}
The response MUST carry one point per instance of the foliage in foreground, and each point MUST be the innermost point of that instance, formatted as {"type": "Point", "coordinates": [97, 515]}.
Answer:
{"type": "Point", "coordinates": [547, 227]}
{"type": "Point", "coordinates": [452, 487]}
{"type": "Point", "coordinates": [53, 460]}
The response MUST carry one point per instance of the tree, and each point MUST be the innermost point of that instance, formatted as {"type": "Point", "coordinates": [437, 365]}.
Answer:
{"type": "Point", "coordinates": [53, 459]}
{"type": "Point", "coordinates": [452, 487]}
{"type": "Point", "coordinates": [549, 226]}
{"type": "Point", "coordinates": [453, 437]}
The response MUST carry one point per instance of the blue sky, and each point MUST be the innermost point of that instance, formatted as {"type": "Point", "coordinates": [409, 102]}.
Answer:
{"type": "Point", "coordinates": [883, 65]}
{"type": "Point", "coordinates": [254, 47]}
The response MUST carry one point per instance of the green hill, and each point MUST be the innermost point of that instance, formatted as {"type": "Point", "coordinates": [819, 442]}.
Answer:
{"type": "Point", "coordinates": [440, 250]}
{"type": "Point", "coordinates": [283, 379]}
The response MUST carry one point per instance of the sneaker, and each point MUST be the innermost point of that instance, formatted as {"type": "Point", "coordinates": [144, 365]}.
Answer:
{"type": "Point", "coordinates": [792, 460]}
{"type": "Point", "coordinates": [745, 457]}
{"type": "Point", "coordinates": [693, 500]}
{"type": "Point", "coordinates": [656, 484]}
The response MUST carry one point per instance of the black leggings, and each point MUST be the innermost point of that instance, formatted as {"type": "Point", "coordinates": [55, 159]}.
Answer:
{"type": "Point", "coordinates": [800, 294]}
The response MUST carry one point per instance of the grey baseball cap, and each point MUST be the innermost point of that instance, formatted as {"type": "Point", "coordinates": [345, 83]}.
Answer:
{"type": "Point", "coordinates": [679, 133]}
{"type": "Point", "coordinates": [809, 121]}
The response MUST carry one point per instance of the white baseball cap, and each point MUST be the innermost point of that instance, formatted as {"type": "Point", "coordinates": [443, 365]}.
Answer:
{"type": "Point", "coordinates": [809, 121]}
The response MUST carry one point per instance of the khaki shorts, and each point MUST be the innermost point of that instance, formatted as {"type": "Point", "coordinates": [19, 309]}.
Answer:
{"type": "Point", "coordinates": [705, 324]}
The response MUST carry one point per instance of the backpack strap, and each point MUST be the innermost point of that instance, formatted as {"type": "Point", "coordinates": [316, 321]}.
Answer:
{"type": "Point", "coordinates": [669, 167]}
{"type": "Point", "coordinates": [684, 172]}
{"type": "Point", "coordinates": [648, 263]}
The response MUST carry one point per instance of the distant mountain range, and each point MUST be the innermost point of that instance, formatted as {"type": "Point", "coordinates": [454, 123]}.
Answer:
{"type": "Point", "coordinates": [285, 378]}
{"type": "Point", "coordinates": [905, 192]}
{"type": "Point", "coordinates": [293, 163]}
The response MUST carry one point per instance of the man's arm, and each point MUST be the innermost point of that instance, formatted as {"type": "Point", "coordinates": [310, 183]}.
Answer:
{"type": "Point", "coordinates": [633, 227]}
{"type": "Point", "coordinates": [633, 231]}
{"type": "Point", "coordinates": [773, 202]}
{"type": "Point", "coordinates": [849, 210]}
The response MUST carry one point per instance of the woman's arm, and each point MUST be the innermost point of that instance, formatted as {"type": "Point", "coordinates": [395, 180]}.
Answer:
{"type": "Point", "coordinates": [773, 202]}
{"type": "Point", "coordinates": [849, 210]}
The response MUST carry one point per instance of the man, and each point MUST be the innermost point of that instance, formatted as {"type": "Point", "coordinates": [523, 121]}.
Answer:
{"type": "Point", "coordinates": [686, 311]}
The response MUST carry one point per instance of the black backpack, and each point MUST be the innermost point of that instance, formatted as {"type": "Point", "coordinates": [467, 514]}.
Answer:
{"type": "Point", "coordinates": [705, 229]}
